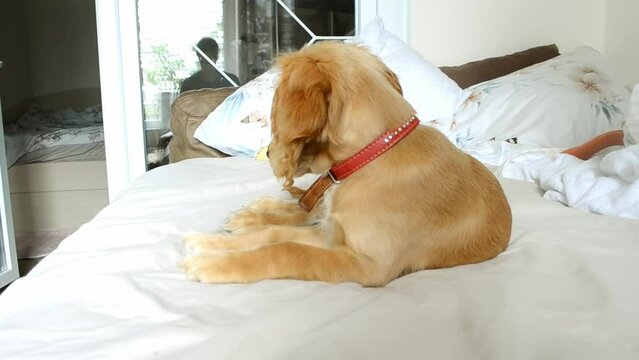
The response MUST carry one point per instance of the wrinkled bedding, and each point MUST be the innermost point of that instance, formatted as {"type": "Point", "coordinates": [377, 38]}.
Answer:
{"type": "Point", "coordinates": [565, 288]}
{"type": "Point", "coordinates": [39, 130]}
{"type": "Point", "coordinates": [606, 184]}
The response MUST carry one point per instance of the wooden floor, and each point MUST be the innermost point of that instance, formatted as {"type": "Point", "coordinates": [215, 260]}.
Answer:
{"type": "Point", "coordinates": [24, 265]}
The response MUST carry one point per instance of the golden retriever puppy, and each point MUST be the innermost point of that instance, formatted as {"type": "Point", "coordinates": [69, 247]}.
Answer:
{"type": "Point", "coordinates": [421, 204]}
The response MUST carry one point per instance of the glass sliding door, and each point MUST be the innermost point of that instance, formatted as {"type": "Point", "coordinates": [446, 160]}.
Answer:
{"type": "Point", "coordinates": [168, 31]}
{"type": "Point", "coordinates": [8, 259]}
{"type": "Point", "coordinates": [141, 75]}
{"type": "Point", "coordinates": [194, 44]}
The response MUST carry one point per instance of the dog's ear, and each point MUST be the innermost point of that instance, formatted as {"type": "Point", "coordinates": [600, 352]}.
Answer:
{"type": "Point", "coordinates": [393, 79]}
{"type": "Point", "coordinates": [301, 98]}
{"type": "Point", "coordinates": [300, 109]}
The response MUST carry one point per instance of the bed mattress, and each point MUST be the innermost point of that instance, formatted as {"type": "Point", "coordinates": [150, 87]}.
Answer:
{"type": "Point", "coordinates": [75, 152]}
{"type": "Point", "coordinates": [565, 288]}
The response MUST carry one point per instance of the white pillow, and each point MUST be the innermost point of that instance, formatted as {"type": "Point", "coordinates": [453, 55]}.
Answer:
{"type": "Point", "coordinates": [631, 122]}
{"type": "Point", "coordinates": [561, 102]}
{"type": "Point", "coordinates": [240, 126]}
{"type": "Point", "coordinates": [433, 94]}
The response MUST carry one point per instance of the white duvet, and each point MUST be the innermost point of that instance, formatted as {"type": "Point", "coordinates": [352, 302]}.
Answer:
{"type": "Point", "coordinates": [566, 288]}
{"type": "Point", "coordinates": [608, 183]}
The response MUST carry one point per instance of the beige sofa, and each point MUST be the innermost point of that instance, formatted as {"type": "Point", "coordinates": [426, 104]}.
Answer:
{"type": "Point", "coordinates": [187, 112]}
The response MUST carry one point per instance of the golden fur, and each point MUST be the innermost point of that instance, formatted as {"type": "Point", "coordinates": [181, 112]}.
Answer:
{"type": "Point", "coordinates": [423, 204]}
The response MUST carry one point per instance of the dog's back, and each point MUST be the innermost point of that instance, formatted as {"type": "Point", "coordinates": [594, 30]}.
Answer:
{"type": "Point", "coordinates": [424, 203]}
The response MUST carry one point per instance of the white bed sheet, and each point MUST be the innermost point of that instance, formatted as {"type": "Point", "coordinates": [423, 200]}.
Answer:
{"type": "Point", "coordinates": [565, 288]}
{"type": "Point", "coordinates": [17, 144]}
{"type": "Point", "coordinates": [76, 152]}
{"type": "Point", "coordinates": [22, 142]}
{"type": "Point", "coordinates": [494, 154]}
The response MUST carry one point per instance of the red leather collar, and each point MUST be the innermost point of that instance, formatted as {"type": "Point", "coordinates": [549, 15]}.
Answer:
{"type": "Point", "coordinates": [342, 170]}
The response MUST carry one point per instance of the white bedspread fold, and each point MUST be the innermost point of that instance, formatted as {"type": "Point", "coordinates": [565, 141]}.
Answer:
{"type": "Point", "coordinates": [606, 184]}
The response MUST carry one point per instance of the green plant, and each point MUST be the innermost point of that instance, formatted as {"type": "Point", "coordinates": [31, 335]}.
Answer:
{"type": "Point", "coordinates": [163, 68]}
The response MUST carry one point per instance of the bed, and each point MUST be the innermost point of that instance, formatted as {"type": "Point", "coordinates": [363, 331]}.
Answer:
{"type": "Point", "coordinates": [114, 289]}
{"type": "Point", "coordinates": [564, 288]}
{"type": "Point", "coordinates": [57, 175]}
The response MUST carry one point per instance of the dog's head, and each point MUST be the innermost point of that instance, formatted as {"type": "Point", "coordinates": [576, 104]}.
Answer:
{"type": "Point", "coordinates": [325, 99]}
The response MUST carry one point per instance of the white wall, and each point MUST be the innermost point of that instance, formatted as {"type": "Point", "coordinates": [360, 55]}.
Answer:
{"type": "Point", "coordinates": [622, 37]}
{"type": "Point", "coordinates": [63, 45]}
{"type": "Point", "coordinates": [453, 32]}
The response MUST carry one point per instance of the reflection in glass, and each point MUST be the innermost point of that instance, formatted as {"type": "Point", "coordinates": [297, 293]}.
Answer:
{"type": "Point", "coordinates": [210, 74]}
{"type": "Point", "coordinates": [168, 32]}
{"type": "Point", "coordinates": [291, 32]}
{"type": "Point", "coordinates": [178, 41]}
{"type": "Point", "coordinates": [325, 18]}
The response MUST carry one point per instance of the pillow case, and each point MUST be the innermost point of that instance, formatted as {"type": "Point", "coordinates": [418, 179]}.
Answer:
{"type": "Point", "coordinates": [433, 94]}
{"type": "Point", "coordinates": [240, 126]}
{"type": "Point", "coordinates": [631, 121]}
{"type": "Point", "coordinates": [561, 102]}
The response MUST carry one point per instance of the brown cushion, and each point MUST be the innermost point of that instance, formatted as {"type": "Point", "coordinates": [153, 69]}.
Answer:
{"type": "Point", "coordinates": [187, 112]}
{"type": "Point", "coordinates": [483, 70]}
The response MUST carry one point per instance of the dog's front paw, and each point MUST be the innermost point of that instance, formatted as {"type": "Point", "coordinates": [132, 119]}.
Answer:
{"type": "Point", "coordinates": [193, 266]}
{"type": "Point", "coordinates": [243, 221]}
{"type": "Point", "coordinates": [208, 268]}
{"type": "Point", "coordinates": [265, 204]}
{"type": "Point", "coordinates": [199, 242]}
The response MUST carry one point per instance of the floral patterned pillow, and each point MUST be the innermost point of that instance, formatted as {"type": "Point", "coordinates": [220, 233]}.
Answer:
{"type": "Point", "coordinates": [240, 126]}
{"type": "Point", "coordinates": [561, 102]}
{"type": "Point", "coordinates": [631, 121]}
